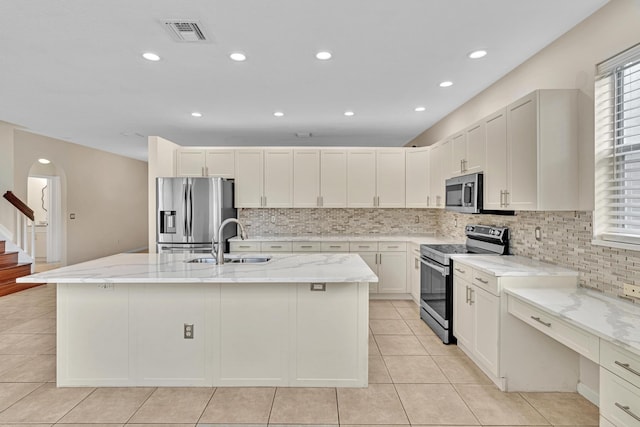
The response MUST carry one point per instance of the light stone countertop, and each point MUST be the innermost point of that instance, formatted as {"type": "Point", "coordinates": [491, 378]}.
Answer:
{"type": "Point", "coordinates": [172, 268]}
{"type": "Point", "coordinates": [418, 239]}
{"type": "Point", "coordinates": [609, 318]}
{"type": "Point", "coordinates": [512, 265]}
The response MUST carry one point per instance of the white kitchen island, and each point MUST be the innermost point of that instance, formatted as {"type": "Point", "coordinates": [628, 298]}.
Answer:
{"type": "Point", "coordinates": [296, 320]}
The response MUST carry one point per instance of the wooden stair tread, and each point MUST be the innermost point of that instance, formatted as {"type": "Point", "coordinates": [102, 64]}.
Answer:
{"type": "Point", "coordinates": [20, 264]}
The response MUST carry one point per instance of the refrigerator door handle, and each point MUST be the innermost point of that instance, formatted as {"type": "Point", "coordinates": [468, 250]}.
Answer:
{"type": "Point", "coordinates": [184, 203]}
{"type": "Point", "coordinates": [190, 209]}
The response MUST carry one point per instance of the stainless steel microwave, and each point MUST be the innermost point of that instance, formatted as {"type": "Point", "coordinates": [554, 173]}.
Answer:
{"type": "Point", "coordinates": [464, 193]}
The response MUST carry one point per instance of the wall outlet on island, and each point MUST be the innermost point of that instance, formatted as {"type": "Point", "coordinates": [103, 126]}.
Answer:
{"type": "Point", "coordinates": [632, 291]}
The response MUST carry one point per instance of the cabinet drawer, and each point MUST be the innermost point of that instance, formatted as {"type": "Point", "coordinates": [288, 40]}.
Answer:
{"type": "Point", "coordinates": [276, 247]}
{"type": "Point", "coordinates": [363, 246]}
{"type": "Point", "coordinates": [392, 247]}
{"type": "Point", "coordinates": [605, 422]}
{"type": "Point", "coordinates": [306, 246]}
{"type": "Point", "coordinates": [621, 362]}
{"type": "Point", "coordinates": [334, 246]}
{"type": "Point", "coordinates": [485, 281]}
{"type": "Point", "coordinates": [244, 246]}
{"type": "Point", "coordinates": [463, 271]}
{"type": "Point", "coordinates": [619, 400]}
{"type": "Point", "coordinates": [576, 339]}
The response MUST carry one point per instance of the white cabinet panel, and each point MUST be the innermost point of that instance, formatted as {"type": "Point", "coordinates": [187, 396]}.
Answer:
{"type": "Point", "coordinates": [486, 327]}
{"type": "Point", "coordinates": [99, 352]}
{"type": "Point", "coordinates": [392, 271]}
{"type": "Point", "coordinates": [162, 353]}
{"type": "Point", "coordinates": [278, 178]}
{"type": "Point", "coordinates": [361, 178]}
{"type": "Point", "coordinates": [327, 340]}
{"type": "Point", "coordinates": [462, 313]}
{"type": "Point", "coordinates": [190, 163]}
{"type": "Point", "coordinates": [495, 176]}
{"type": "Point", "coordinates": [390, 178]}
{"type": "Point", "coordinates": [458, 154]}
{"type": "Point", "coordinates": [437, 164]}
{"type": "Point", "coordinates": [254, 334]}
{"type": "Point", "coordinates": [476, 148]}
{"type": "Point", "coordinates": [333, 178]}
{"type": "Point", "coordinates": [306, 178]}
{"type": "Point", "coordinates": [522, 132]}
{"type": "Point", "coordinates": [220, 162]}
{"type": "Point", "coordinates": [413, 276]}
{"type": "Point", "coordinates": [619, 400]}
{"type": "Point", "coordinates": [371, 258]}
{"type": "Point", "coordinates": [249, 178]}
{"type": "Point", "coordinates": [417, 177]}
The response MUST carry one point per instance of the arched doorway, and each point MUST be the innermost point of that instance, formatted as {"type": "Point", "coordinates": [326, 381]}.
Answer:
{"type": "Point", "coordinates": [44, 196]}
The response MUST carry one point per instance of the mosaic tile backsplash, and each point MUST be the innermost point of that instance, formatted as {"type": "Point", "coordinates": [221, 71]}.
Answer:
{"type": "Point", "coordinates": [566, 236]}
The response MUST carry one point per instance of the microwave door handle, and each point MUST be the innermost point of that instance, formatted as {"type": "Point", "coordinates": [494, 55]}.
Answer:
{"type": "Point", "coordinates": [441, 270]}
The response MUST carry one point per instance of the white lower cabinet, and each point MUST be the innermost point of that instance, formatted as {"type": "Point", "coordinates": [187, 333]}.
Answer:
{"type": "Point", "coordinates": [392, 272]}
{"type": "Point", "coordinates": [476, 322]}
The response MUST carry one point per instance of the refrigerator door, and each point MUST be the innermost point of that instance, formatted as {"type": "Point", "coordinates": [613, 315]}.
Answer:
{"type": "Point", "coordinates": [203, 208]}
{"type": "Point", "coordinates": [171, 213]}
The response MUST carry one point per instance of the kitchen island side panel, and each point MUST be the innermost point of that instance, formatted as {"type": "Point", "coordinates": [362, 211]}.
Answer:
{"type": "Point", "coordinates": [249, 334]}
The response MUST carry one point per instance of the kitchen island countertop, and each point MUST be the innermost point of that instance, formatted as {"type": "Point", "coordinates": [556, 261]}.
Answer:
{"type": "Point", "coordinates": [172, 268]}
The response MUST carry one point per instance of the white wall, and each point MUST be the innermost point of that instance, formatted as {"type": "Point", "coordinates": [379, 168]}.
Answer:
{"type": "Point", "coordinates": [7, 212]}
{"type": "Point", "coordinates": [567, 63]}
{"type": "Point", "coordinates": [107, 193]}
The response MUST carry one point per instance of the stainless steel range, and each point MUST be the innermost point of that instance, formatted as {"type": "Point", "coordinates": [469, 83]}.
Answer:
{"type": "Point", "coordinates": [436, 278]}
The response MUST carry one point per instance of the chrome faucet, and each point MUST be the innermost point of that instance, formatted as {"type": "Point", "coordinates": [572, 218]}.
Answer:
{"type": "Point", "coordinates": [219, 253]}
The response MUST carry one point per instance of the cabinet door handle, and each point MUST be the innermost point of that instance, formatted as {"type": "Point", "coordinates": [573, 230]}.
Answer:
{"type": "Point", "coordinates": [306, 246]}
{"type": "Point", "coordinates": [393, 247]}
{"type": "Point", "coordinates": [334, 246]}
{"type": "Point", "coordinates": [627, 367]}
{"type": "Point", "coordinates": [628, 411]}
{"type": "Point", "coordinates": [428, 200]}
{"type": "Point", "coordinates": [506, 198]}
{"type": "Point", "coordinates": [459, 270]}
{"type": "Point", "coordinates": [321, 201]}
{"type": "Point", "coordinates": [244, 247]}
{"type": "Point", "coordinates": [467, 296]}
{"type": "Point", "coordinates": [380, 258]}
{"type": "Point", "coordinates": [537, 319]}
{"type": "Point", "coordinates": [276, 246]}
{"type": "Point", "coordinates": [416, 263]}
{"type": "Point", "coordinates": [471, 291]}
{"type": "Point", "coordinates": [481, 280]}
{"type": "Point", "coordinates": [461, 165]}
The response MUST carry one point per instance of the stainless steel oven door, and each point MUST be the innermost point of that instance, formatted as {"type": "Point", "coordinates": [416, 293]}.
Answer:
{"type": "Point", "coordinates": [433, 290]}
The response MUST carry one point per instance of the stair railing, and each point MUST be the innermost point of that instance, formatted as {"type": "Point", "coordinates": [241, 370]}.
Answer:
{"type": "Point", "coordinates": [24, 214]}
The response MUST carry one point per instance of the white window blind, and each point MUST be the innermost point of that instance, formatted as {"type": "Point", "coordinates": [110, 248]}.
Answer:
{"type": "Point", "coordinates": [617, 145]}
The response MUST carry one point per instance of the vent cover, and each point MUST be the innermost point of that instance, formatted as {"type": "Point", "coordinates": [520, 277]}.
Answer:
{"type": "Point", "coordinates": [185, 30]}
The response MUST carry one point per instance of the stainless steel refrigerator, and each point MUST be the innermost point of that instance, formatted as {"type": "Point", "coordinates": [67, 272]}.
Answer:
{"type": "Point", "coordinates": [189, 212]}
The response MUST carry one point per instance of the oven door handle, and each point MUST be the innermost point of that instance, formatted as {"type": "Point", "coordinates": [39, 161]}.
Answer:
{"type": "Point", "coordinates": [442, 270]}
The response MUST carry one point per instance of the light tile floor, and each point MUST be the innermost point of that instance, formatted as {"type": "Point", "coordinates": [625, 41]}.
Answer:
{"type": "Point", "coordinates": [413, 379]}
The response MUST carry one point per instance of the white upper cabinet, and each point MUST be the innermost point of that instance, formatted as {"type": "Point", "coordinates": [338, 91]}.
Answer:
{"type": "Point", "coordinates": [495, 173]}
{"type": "Point", "coordinates": [390, 178]}
{"type": "Point", "coordinates": [361, 178]}
{"type": "Point", "coordinates": [249, 184]}
{"type": "Point", "coordinates": [476, 148]}
{"type": "Point", "coordinates": [205, 162]}
{"type": "Point", "coordinates": [220, 162]}
{"type": "Point", "coordinates": [333, 178]}
{"type": "Point", "coordinates": [437, 166]}
{"type": "Point", "coordinates": [417, 177]}
{"type": "Point", "coordinates": [306, 178]}
{"type": "Point", "coordinates": [541, 154]}
{"type": "Point", "coordinates": [278, 178]}
{"type": "Point", "coordinates": [458, 153]}
{"type": "Point", "coordinates": [468, 150]}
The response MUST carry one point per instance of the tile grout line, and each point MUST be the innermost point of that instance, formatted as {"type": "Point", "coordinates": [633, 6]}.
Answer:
{"type": "Point", "coordinates": [215, 389]}
{"type": "Point", "coordinates": [453, 386]}
{"type": "Point", "coordinates": [28, 394]}
{"type": "Point", "coordinates": [536, 409]}
{"type": "Point", "coordinates": [273, 400]}
{"type": "Point", "coordinates": [141, 405]}
{"type": "Point", "coordinates": [76, 405]}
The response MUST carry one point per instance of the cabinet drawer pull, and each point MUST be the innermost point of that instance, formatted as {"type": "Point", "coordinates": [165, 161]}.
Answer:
{"type": "Point", "coordinates": [276, 246]}
{"type": "Point", "coordinates": [481, 280]}
{"type": "Point", "coordinates": [628, 411]}
{"type": "Point", "coordinates": [244, 246]}
{"type": "Point", "coordinates": [627, 367]}
{"type": "Point", "coordinates": [459, 270]}
{"type": "Point", "coordinates": [335, 246]}
{"type": "Point", "coordinates": [537, 319]}
{"type": "Point", "coordinates": [393, 247]}
{"type": "Point", "coordinates": [364, 246]}
{"type": "Point", "coordinates": [306, 246]}
{"type": "Point", "coordinates": [467, 296]}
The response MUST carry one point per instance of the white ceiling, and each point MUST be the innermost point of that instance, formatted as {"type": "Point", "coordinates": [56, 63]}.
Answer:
{"type": "Point", "coordinates": [72, 69]}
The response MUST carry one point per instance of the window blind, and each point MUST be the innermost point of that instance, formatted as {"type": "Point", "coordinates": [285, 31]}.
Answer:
{"type": "Point", "coordinates": [617, 110]}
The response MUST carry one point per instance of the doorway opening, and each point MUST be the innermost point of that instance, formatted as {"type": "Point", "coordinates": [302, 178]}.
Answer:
{"type": "Point", "coordinates": [44, 196]}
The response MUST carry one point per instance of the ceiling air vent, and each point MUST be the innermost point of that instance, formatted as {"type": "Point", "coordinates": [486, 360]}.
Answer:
{"type": "Point", "coordinates": [184, 30]}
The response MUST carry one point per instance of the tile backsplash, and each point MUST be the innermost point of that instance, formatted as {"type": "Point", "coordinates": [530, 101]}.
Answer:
{"type": "Point", "coordinates": [268, 222]}
{"type": "Point", "coordinates": [566, 236]}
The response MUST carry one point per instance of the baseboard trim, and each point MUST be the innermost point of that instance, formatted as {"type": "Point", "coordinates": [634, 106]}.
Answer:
{"type": "Point", "coordinates": [589, 394]}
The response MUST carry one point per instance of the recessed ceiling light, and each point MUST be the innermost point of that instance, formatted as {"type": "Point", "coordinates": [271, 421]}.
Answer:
{"type": "Point", "coordinates": [238, 56]}
{"type": "Point", "coordinates": [44, 161]}
{"type": "Point", "coordinates": [349, 113]}
{"type": "Point", "coordinates": [477, 54]}
{"type": "Point", "coordinates": [419, 109]}
{"type": "Point", "coordinates": [196, 114]}
{"type": "Point", "coordinates": [150, 56]}
{"type": "Point", "coordinates": [278, 114]}
{"type": "Point", "coordinates": [323, 55]}
{"type": "Point", "coordinates": [446, 84]}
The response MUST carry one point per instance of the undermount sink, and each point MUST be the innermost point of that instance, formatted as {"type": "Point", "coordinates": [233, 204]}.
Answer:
{"type": "Point", "coordinates": [232, 260]}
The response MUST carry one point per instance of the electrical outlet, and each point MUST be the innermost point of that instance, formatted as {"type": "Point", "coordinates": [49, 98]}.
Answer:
{"type": "Point", "coordinates": [106, 286]}
{"type": "Point", "coordinates": [538, 233]}
{"type": "Point", "coordinates": [455, 222]}
{"type": "Point", "coordinates": [632, 291]}
{"type": "Point", "coordinates": [188, 331]}
{"type": "Point", "coordinates": [273, 219]}
{"type": "Point", "coordinates": [417, 219]}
